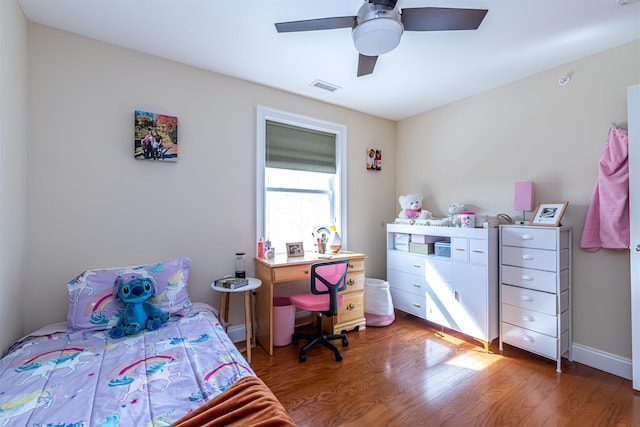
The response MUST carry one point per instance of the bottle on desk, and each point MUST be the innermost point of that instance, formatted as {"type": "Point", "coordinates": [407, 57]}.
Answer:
{"type": "Point", "coordinates": [260, 248]}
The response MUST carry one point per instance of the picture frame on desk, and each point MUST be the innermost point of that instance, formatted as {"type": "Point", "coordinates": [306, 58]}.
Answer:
{"type": "Point", "coordinates": [295, 249]}
{"type": "Point", "coordinates": [549, 214]}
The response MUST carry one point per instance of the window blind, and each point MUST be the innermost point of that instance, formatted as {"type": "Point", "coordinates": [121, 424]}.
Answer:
{"type": "Point", "coordinates": [293, 147]}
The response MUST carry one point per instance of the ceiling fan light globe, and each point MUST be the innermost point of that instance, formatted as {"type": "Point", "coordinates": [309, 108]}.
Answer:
{"type": "Point", "coordinates": [377, 36]}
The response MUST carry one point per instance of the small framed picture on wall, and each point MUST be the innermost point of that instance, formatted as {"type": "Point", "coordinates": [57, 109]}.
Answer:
{"type": "Point", "coordinates": [374, 159]}
{"type": "Point", "coordinates": [155, 137]}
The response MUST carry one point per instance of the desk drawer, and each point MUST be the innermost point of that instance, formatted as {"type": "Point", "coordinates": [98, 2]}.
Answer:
{"type": "Point", "coordinates": [355, 282]}
{"type": "Point", "coordinates": [291, 272]}
{"type": "Point", "coordinates": [356, 265]}
{"type": "Point", "coordinates": [352, 309]}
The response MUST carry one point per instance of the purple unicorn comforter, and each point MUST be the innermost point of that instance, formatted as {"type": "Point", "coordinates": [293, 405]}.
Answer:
{"type": "Point", "coordinates": [152, 378]}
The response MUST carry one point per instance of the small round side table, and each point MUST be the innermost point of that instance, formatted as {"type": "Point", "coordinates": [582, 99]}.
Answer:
{"type": "Point", "coordinates": [248, 308]}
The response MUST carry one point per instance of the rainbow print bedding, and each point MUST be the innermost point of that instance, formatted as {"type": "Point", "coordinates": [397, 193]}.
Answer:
{"type": "Point", "coordinates": [62, 377]}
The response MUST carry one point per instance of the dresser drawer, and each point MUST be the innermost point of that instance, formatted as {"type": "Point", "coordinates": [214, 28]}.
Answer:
{"type": "Point", "coordinates": [479, 251]}
{"type": "Point", "coordinates": [409, 302]}
{"type": "Point", "coordinates": [460, 249]}
{"type": "Point", "coordinates": [407, 282]}
{"type": "Point", "coordinates": [529, 278]}
{"type": "Point", "coordinates": [539, 259]}
{"type": "Point", "coordinates": [530, 340]}
{"type": "Point", "coordinates": [529, 319]}
{"type": "Point", "coordinates": [542, 302]}
{"type": "Point", "coordinates": [539, 238]}
{"type": "Point", "coordinates": [353, 307]}
{"type": "Point", "coordinates": [355, 282]}
{"type": "Point", "coordinates": [429, 267]}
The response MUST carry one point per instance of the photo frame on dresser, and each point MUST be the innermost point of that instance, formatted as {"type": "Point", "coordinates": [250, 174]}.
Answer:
{"type": "Point", "coordinates": [549, 214]}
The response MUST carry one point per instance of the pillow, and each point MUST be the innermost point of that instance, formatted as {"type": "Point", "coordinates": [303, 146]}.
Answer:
{"type": "Point", "coordinates": [93, 298]}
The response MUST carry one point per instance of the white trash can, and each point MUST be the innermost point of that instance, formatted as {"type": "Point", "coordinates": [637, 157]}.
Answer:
{"type": "Point", "coordinates": [378, 306]}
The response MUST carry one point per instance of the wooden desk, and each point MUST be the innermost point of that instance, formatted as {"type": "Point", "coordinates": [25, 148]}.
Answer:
{"type": "Point", "coordinates": [282, 269]}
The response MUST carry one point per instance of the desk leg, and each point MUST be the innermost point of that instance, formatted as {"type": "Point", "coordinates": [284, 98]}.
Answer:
{"type": "Point", "coordinates": [247, 322]}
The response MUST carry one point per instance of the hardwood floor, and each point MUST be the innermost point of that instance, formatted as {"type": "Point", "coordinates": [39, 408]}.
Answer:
{"type": "Point", "coordinates": [412, 374]}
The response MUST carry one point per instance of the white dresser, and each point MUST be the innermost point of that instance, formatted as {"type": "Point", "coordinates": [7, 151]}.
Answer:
{"type": "Point", "coordinates": [535, 289]}
{"type": "Point", "coordinates": [458, 291]}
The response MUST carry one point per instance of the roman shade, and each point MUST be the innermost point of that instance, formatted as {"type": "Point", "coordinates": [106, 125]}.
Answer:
{"type": "Point", "coordinates": [297, 148]}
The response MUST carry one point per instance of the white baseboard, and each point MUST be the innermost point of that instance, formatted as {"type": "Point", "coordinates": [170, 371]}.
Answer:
{"type": "Point", "coordinates": [592, 357]}
{"type": "Point", "coordinates": [603, 361]}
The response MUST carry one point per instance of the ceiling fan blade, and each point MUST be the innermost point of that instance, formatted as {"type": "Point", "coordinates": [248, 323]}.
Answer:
{"type": "Point", "coordinates": [366, 64]}
{"type": "Point", "coordinates": [316, 24]}
{"type": "Point", "coordinates": [441, 18]}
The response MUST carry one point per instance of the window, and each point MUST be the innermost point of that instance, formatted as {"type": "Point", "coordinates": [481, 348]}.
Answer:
{"type": "Point", "coordinates": [300, 178]}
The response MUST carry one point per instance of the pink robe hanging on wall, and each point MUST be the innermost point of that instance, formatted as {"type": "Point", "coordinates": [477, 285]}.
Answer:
{"type": "Point", "coordinates": [607, 222]}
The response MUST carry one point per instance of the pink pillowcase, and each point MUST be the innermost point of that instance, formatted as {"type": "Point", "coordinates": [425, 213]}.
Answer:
{"type": "Point", "coordinates": [93, 302]}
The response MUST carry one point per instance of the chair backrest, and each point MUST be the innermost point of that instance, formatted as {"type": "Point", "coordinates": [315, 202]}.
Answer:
{"type": "Point", "coordinates": [329, 278]}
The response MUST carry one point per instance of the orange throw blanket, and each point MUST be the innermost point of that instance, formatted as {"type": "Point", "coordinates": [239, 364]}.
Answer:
{"type": "Point", "coordinates": [248, 402]}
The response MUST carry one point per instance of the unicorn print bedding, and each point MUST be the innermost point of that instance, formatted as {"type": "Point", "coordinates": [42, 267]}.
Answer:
{"type": "Point", "coordinates": [74, 374]}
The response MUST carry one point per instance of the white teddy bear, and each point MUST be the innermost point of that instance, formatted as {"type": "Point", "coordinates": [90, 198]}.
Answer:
{"type": "Point", "coordinates": [411, 205]}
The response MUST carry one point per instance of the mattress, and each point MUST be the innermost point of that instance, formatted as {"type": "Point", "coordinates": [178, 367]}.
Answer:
{"type": "Point", "coordinates": [57, 376]}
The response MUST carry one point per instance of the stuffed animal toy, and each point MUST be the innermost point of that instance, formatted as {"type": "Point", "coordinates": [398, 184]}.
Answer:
{"type": "Point", "coordinates": [135, 290]}
{"type": "Point", "coordinates": [411, 205]}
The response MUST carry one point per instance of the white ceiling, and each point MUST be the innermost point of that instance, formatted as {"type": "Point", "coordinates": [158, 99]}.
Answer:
{"type": "Point", "coordinates": [518, 38]}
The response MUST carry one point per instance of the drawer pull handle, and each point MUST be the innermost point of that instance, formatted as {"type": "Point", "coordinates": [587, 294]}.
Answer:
{"type": "Point", "coordinates": [416, 285]}
{"type": "Point", "coordinates": [351, 282]}
{"type": "Point", "coordinates": [527, 257]}
{"type": "Point", "coordinates": [527, 277]}
{"type": "Point", "coordinates": [352, 266]}
{"type": "Point", "coordinates": [351, 306]}
{"type": "Point", "coordinates": [528, 338]}
{"type": "Point", "coordinates": [527, 237]}
{"type": "Point", "coordinates": [528, 318]}
{"type": "Point", "coordinates": [460, 249]}
{"type": "Point", "coordinates": [306, 272]}
{"type": "Point", "coordinates": [416, 305]}
{"type": "Point", "coordinates": [478, 251]}
{"type": "Point", "coordinates": [527, 298]}
{"type": "Point", "coordinates": [416, 265]}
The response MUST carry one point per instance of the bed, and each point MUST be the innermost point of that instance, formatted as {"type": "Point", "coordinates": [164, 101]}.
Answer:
{"type": "Point", "coordinates": [188, 372]}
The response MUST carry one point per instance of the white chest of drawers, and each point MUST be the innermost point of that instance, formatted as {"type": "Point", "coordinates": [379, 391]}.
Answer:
{"type": "Point", "coordinates": [535, 289]}
{"type": "Point", "coordinates": [459, 291]}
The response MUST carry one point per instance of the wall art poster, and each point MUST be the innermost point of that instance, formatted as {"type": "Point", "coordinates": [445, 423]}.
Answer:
{"type": "Point", "coordinates": [374, 159]}
{"type": "Point", "coordinates": [155, 137]}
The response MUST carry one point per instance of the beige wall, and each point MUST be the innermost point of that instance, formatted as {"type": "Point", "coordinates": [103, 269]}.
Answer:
{"type": "Point", "coordinates": [13, 174]}
{"type": "Point", "coordinates": [91, 204]}
{"type": "Point", "coordinates": [473, 151]}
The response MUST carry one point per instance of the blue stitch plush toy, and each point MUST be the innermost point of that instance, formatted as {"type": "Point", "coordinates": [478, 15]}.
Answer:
{"type": "Point", "coordinates": [135, 290]}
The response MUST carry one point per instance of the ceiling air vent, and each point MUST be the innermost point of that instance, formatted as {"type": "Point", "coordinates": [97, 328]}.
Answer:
{"type": "Point", "coordinates": [325, 86]}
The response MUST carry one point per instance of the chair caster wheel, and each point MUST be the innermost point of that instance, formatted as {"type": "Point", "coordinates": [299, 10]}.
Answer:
{"type": "Point", "coordinates": [339, 357]}
{"type": "Point", "coordinates": [303, 357]}
{"type": "Point", "coordinates": [345, 342]}
{"type": "Point", "coordinates": [357, 328]}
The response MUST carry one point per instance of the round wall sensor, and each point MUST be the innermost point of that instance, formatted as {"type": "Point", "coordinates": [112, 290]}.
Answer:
{"type": "Point", "coordinates": [564, 80]}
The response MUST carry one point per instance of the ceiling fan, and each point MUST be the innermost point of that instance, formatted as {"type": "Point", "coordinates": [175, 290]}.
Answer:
{"type": "Point", "coordinates": [378, 26]}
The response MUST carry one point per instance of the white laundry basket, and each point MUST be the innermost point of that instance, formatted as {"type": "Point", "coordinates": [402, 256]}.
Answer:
{"type": "Point", "coordinates": [378, 306]}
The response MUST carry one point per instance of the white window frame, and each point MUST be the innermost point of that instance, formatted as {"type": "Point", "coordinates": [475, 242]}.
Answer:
{"type": "Point", "coordinates": [340, 131]}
